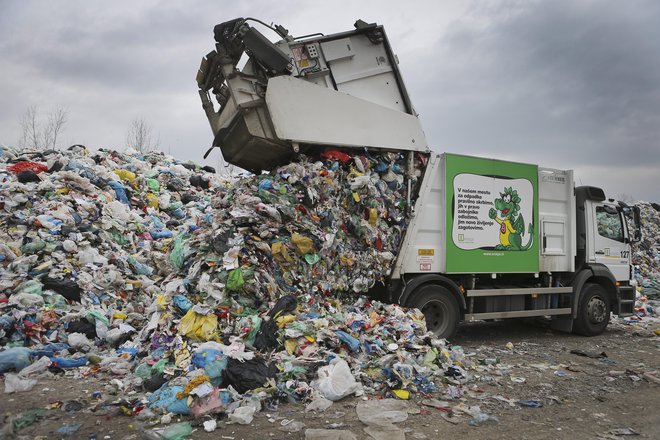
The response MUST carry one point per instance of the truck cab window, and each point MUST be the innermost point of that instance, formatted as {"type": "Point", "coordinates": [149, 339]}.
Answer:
{"type": "Point", "coordinates": [609, 223]}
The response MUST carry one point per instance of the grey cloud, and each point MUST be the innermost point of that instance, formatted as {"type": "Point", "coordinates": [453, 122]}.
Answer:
{"type": "Point", "coordinates": [561, 83]}
{"type": "Point", "coordinates": [575, 77]}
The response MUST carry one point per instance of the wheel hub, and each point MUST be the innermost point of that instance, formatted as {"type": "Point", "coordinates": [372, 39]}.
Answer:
{"type": "Point", "coordinates": [597, 310]}
{"type": "Point", "coordinates": [435, 313]}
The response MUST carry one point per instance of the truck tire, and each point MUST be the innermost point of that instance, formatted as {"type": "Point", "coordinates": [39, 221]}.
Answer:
{"type": "Point", "coordinates": [593, 313]}
{"type": "Point", "coordinates": [439, 307]}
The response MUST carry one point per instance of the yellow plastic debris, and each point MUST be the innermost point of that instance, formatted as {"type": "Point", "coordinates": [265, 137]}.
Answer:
{"type": "Point", "coordinates": [290, 346]}
{"type": "Point", "coordinates": [161, 301]}
{"type": "Point", "coordinates": [373, 216]}
{"type": "Point", "coordinates": [199, 327]}
{"type": "Point", "coordinates": [281, 253]}
{"type": "Point", "coordinates": [284, 320]}
{"type": "Point", "coordinates": [304, 245]}
{"type": "Point", "coordinates": [402, 394]}
{"type": "Point", "coordinates": [125, 175]}
{"type": "Point", "coordinates": [152, 201]}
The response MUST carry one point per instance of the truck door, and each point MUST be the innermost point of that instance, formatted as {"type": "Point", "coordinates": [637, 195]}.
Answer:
{"type": "Point", "coordinates": [610, 243]}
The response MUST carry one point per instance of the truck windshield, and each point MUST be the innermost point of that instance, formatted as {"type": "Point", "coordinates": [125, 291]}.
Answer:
{"type": "Point", "coordinates": [609, 223]}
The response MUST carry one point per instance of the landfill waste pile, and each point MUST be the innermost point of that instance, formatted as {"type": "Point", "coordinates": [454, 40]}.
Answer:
{"type": "Point", "coordinates": [208, 296]}
{"type": "Point", "coordinates": [646, 260]}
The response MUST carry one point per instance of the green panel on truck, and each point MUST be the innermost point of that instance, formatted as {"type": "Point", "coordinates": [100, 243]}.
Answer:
{"type": "Point", "coordinates": [492, 215]}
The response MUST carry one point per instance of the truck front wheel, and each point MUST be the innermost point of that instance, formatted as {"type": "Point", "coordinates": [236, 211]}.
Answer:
{"type": "Point", "coordinates": [593, 311]}
{"type": "Point", "coordinates": [439, 307]}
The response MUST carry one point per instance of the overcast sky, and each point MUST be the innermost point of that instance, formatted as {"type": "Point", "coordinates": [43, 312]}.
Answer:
{"type": "Point", "coordinates": [562, 83]}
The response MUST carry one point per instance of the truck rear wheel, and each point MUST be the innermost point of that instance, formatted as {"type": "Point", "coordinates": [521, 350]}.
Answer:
{"type": "Point", "coordinates": [593, 311]}
{"type": "Point", "coordinates": [439, 307]}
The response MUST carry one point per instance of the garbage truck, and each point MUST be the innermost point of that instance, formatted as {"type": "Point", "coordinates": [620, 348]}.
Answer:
{"type": "Point", "coordinates": [486, 238]}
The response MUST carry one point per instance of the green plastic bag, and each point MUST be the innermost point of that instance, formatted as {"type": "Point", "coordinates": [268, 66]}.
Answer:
{"type": "Point", "coordinates": [255, 322]}
{"type": "Point", "coordinates": [235, 279]}
{"type": "Point", "coordinates": [30, 286]}
{"type": "Point", "coordinates": [154, 185]}
{"type": "Point", "coordinates": [95, 315]}
{"type": "Point", "coordinates": [178, 251]}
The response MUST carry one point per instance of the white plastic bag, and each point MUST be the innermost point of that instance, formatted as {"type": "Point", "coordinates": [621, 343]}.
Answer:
{"type": "Point", "coordinates": [36, 368]}
{"type": "Point", "coordinates": [336, 380]}
{"type": "Point", "coordinates": [80, 341]}
{"type": "Point", "coordinates": [16, 384]}
{"type": "Point", "coordinates": [243, 415]}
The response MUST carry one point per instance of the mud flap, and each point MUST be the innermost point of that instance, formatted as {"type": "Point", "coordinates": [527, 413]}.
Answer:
{"type": "Point", "coordinates": [562, 323]}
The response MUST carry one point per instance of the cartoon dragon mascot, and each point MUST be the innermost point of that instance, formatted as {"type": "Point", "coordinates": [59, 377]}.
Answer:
{"type": "Point", "coordinates": [512, 224]}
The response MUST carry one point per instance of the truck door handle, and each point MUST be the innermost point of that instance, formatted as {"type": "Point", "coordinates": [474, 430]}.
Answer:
{"type": "Point", "coordinates": [600, 253]}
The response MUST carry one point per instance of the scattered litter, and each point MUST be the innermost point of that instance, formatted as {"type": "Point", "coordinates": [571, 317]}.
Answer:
{"type": "Point", "coordinates": [69, 429]}
{"type": "Point", "coordinates": [623, 431]}
{"type": "Point", "coordinates": [589, 354]}
{"type": "Point", "coordinates": [530, 403]}
{"type": "Point", "coordinates": [329, 434]}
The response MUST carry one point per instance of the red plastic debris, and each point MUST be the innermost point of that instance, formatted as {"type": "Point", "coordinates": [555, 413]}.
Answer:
{"type": "Point", "coordinates": [19, 167]}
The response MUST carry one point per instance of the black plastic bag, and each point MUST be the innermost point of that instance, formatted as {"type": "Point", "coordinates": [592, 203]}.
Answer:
{"type": "Point", "coordinates": [67, 288]}
{"type": "Point", "coordinates": [248, 375]}
{"type": "Point", "coordinates": [266, 338]}
{"type": "Point", "coordinates": [82, 326]}
{"type": "Point", "coordinates": [199, 182]}
{"type": "Point", "coordinates": [28, 176]}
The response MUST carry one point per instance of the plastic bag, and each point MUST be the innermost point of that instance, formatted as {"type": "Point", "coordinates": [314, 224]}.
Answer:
{"type": "Point", "coordinates": [349, 340]}
{"type": "Point", "coordinates": [15, 358]}
{"type": "Point", "coordinates": [266, 338]}
{"type": "Point", "coordinates": [204, 357]}
{"type": "Point", "coordinates": [80, 342]}
{"type": "Point", "coordinates": [336, 380]}
{"type": "Point", "coordinates": [26, 300]}
{"type": "Point", "coordinates": [215, 402]}
{"type": "Point", "coordinates": [304, 245]}
{"type": "Point", "coordinates": [82, 326]}
{"type": "Point", "coordinates": [16, 384]}
{"type": "Point", "coordinates": [177, 254]}
{"type": "Point", "coordinates": [66, 287]}
{"type": "Point", "coordinates": [235, 279]}
{"type": "Point", "coordinates": [214, 370]}
{"type": "Point", "coordinates": [243, 415]}
{"type": "Point", "coordinates": [197, 326]}
{"type": "Point", "coordinates": [248, 375]}
{"type": "Point", "coordinates": [182, 303]}
{"type": "Point", "coordinates": [165, 398]}
{"type": "Point", "coordinates": [177, 431]}
{"type": "Point", "coordinates": [36, 368]}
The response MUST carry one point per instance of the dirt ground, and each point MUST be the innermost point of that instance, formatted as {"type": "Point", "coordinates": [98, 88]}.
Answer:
{"type": "Point", "coordinates": [581, 397]}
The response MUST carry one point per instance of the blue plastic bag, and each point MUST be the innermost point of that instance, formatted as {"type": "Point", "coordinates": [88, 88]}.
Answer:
{"type": "Point", "coordinates": [68, 363]}
{"type": "Point", "coordinates": [120, 191]}
{"type": "Point", "coordinates": [182, 303]}
{"type": "Point", "coordinates": [205, 357]}
{"type": "Point", "coordinates": [165, 398]}
{"type": "Point", "coordinates": [349, 340]}
{"type": "Point", "coordinates": [15, 358]}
